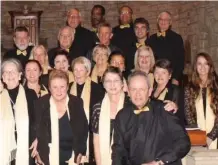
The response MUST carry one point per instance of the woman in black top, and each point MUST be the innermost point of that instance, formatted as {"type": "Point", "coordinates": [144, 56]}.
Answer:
{"type": "Point", "coordinates": [17, 115]}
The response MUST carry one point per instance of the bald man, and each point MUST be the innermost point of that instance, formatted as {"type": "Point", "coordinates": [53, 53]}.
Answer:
{"type": "Point", "coordinates": [169, 45]}
{"type": "Point", "coordinates": [84, 39]}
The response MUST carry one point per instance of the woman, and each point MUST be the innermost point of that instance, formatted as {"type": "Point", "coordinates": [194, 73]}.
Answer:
{"type": "Point", "coordinates": [201, 98]}
{"type": "Point", "coordinates": [16, 116]}
{"type": "Point", "coordinates": [33, 72]}
{"type": "Point", "coordinates": [39, 54]}
{"type": "Point", "coordinates": [89, 91]}
{"type": "Point", "coordinates": [144, 61]}
{"type": "Point", "coordinates": [61, 62]}
{"type": "Point", "coordinates": [104, 114]}
{"type": "Point", "coordinates": [100, 57]}
{"type": "Point", "coordinates": [61, 124]}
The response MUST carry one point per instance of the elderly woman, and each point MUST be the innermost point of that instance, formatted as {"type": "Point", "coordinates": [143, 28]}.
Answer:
{"type": "Point", "coordinates": [16, 116]}
{"type": "Point", "coordinates": [100, 57]}
{"type": "Point", "coordinates": [61, 62]}
{"type": "Point", "coordinates": [201, 98]}
{"type": "Point", "coordinates": [89, 91]}
{"type": "Point", "coordinates": [144, 61]}
{"type": "Point", "coordinates": [104, 114]}
{"type": "Point", "coordinates": [61, 124]}
{"type": "Point", "coordinates": [33, 73]}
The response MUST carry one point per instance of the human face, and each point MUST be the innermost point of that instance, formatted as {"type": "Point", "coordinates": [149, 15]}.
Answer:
{"type": "Point", "coordinates": [202, 66]}
{"type": "Point", "coordinates": [66, 38]}
{"type": "Point", "coordinates": [125, 15]}
{"type": "Point", "coordinates": [21, 40]}
{"type": "Point", "coordinates": [32, 72]}
{"type": "Point", "coordinates": [139, 91]}
{"type": "Point", "coordinates": [61, 63]}
{"type": "Point", "coordinates": [118, 61]}
{"type": "Point", "coordinates": [80, 73]}
{"type": "Point", "coordinates": [101, 57]}
{"type": "Point", "coordinates": [73, 18]}
{"type": "Point", "coordinates": [164, 21]}
{"type": "Point", "coordinates": [113, 84]}
{"type": "Point", "coordinates": [141, 31]}
{"type": "Point", "coordinates": [39, 55]}
{"type": "Point", "coordinates": [11, 76]}
{"type": "Point", "coordinates": [58, 88]}
{"type": "Point", "coordinates": [105, 35]}
{"type": "Point", "coordinates": [144, 60]}
{"type": "Point", "coordinates": [96, 17]}
{"type": "Point", "coordinates": [161, 76]}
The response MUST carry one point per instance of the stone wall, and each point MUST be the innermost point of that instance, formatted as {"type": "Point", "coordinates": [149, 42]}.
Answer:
{"type": "Point", "coordinates": [197, 22]}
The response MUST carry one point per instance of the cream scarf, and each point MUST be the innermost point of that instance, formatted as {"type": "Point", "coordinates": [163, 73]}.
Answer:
{"type": "Point", "coordinates": [151, 79]}
{"type": "Point", "coordinates": [43, 91]}
{"type": "Point", "coordinates": [208, 123]}
{"type": "Point", "coordinates": [71, 77]}
{"type": "Point", "coordinates": [94, 75]}
{"type": "Point", "coordinates": [86, 101]}
{"type": "Point", "coordinates": [54, 145]}
{"type": "Point", "coordinates": [104, 128]}
{"type": "Point", "coordinates": [7, 122]}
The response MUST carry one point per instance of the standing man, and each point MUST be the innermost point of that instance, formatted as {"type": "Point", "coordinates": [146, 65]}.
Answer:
{"type": "Point", "coordinates": [84, 39]}
{"type": "Point", "coordinates": [169, 45]}
{"type": "Point", "coordinates": [124, 34]}
{"type": "Point", "coordinates": [22, 42]}
{"type": "Point", "coordinates": [97, 17]}
{"type": "Point", "coordinates": [146, 134]}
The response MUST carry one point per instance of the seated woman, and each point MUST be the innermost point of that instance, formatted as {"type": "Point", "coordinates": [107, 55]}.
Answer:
{"type": "Point", "coordinates": [39, 54]}
{"type": "Point", "coordinates": [33, 72]}
{"type": "Point", "coordinates": [117, 59]}
{"type": "Point", "coordinates": [100, 57]}
{"type": "Point", "coordinates": [61, 125]}
{"type": "Point", "coordinates": [89, 91]}
{"type": "Point", "coordinates": [61, 62]}
{"type": "Point", "coordinates": [201, 98]}
{"type": "Point", "coordinates": [144, 61]}
{"type": "Point", "coordinates": [16, 116]}
{"type": "Point", "coordinates": [105, 112]}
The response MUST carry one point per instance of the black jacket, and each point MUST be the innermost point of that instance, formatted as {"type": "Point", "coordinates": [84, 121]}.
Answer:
{"type": "Point", "coordinates": [78, 123]}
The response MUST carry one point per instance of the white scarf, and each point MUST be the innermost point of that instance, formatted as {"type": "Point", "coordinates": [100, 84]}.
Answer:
{"type": "Point", "coordinates": [7, 122]}
{"type": "Point", "coordinates": [208, 123]}
{"type": "Point", "coordinates": [54, 145]}
{"type": "Point", "coordinates": [104, 128]}
{"type": "Point", "coordinates": [86, 93]}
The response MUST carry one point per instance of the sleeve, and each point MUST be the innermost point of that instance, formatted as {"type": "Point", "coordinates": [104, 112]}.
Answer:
{"type": "Point", "coordinates": [95, 118]}
{"type": "Point", "coordinates": [214, 132]}
{"type": "Point", "coordinates": [181, 142]}
{"type": "Point", "coordinates": [179, 58]}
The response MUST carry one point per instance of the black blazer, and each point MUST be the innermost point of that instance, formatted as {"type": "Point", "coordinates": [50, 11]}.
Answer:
{"type": "Point", "coordinates": [78, 123]}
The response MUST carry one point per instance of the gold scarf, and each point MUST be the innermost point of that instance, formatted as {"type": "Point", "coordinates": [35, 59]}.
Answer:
{"type": "Point", "coordinates": [208, 123]}
{"type": "Point", "coordinates": [94, 75]}
{"type": "Point", "coordinates": [151, 79]}
{"type": "Point", "coordinates": [163, 94]}
{"type": "Point", "coordinates": [43, 91]}
{"type": "Point", "coordinates": [86, 93]}
{"type": "Point", "coordinates": [7, 128]}
{"type": "Point", "coordinates": [71, 76]}
{"type": "Point", "coordinates": [104, 128]}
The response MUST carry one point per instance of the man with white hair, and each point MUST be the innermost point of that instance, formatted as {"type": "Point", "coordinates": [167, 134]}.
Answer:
{"type": "Point", "coordinates": [169, 45]}
{"type": "Point", "coordinates": [22, 42]}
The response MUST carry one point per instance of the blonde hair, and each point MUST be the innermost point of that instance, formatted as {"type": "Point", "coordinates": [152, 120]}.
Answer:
{"type": "Point", "coordinates": [58, 74]}
{"type": "Point", "coordinates": [140, 49]}
{"type": "Point", "coordinates": [101, 47]}
{"type": "Point", "coordinates": [82, 60]}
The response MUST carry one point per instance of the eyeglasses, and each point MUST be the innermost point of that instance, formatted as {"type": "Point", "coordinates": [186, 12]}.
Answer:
{"type": "Point", "coordinates": [13, 73]}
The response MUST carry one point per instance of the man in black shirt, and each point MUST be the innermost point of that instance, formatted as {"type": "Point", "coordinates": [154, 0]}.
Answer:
{"type": "Point", "coordinates": [169, 45]}
{"type": "Point", "coordinates": [22, 42]}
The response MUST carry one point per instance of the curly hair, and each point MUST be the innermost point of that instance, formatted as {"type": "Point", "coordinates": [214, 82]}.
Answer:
{"type": "Point", "coordinates": [212, 82]}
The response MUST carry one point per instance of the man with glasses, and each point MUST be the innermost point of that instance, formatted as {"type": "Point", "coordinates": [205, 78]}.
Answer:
{"type": "Point", "coordinates": [124, 34]}
{"type": "Point", "coordinates": [169, 45]}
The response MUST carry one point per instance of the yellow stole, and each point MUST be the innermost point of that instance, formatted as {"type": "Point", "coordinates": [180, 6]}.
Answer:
{"type": "Point", "coordinates": [104, 128]}
{"type": "Point", "coordinates": [71, 77]}
{"type": "Point", "coordinates": [151, 79]}
{"type": "Point", "coordinates": [94, 75]}
{"type": "Point", "coordinates": [86, 93]}
{"type": "Point", "coordinates": [43, 91]}
{"type": "Point", "coordinates": [7, 128]}
{"type": "Point", "coordinates": [163, 94]}
{"type": "Point", "coordinates": [208, 123]}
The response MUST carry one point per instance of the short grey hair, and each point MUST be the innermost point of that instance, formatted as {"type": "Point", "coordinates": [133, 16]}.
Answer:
{"type": "Point", "coordinates": [102, 47]}
{"type": "Point", "coordinates": [13, 61]}
{"type": "Point", "coordinates": [141, 74]}
{"type": "Point", "coordinates": [82, 60]}
{"type": "Point", "coordinates": [72, 30]}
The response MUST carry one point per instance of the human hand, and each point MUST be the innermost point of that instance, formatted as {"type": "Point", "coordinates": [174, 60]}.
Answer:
{"type": "Point", "coordinates": [78, 159]}
{"type": "Point", "coordinates": [175, 82]}
{"type": "Point", "coordinates": [38, 160]}
{"type": "Point", "coordinates": [170, 106]}
{"type": "Point", "coordinates": [33, 147]}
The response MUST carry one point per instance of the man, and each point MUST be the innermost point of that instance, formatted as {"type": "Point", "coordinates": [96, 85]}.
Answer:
{"type": "Point", "coordinates": [22, 42]}
{"type": "Point", "coordinates": [104, 34]}
{"type": "Point", "coordinates": [146, 134]}
{"type": "Point", "coordinates": [97, 17]}
{"type": "Point", "coordinates": [84, 39]}
{"type": "Point", "coordinates": [124, 33]}
{"type": "Point", "coordinates": [169, 45]}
